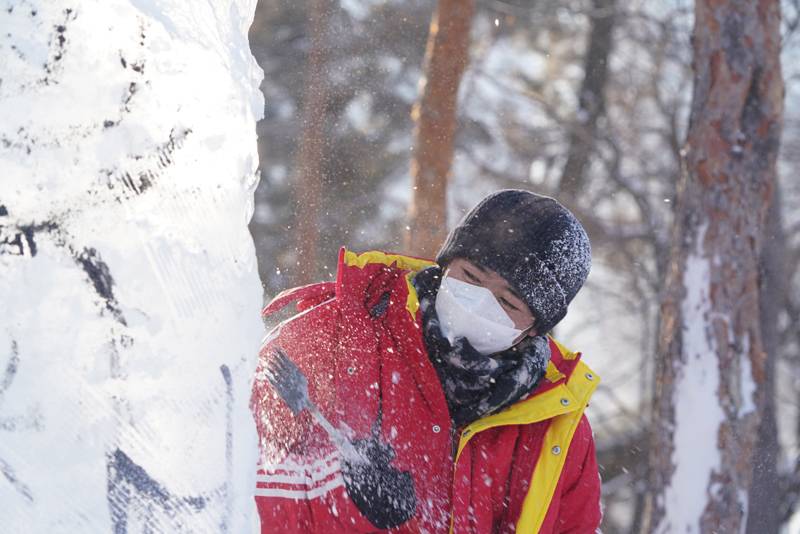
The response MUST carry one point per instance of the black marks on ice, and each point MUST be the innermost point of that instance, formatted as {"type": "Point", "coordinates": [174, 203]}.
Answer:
{"type": "Point", "coordinates": [58, 48]}
{"type": "Point", "coordinates": [128, 95]}
{"type": "Point", "coordinates": [32, 12]}
{"type": "Point", "coordinates": [226, 376]}
{"type": "Point", "coordinates": [14, 423]}
{"type": "Point", "coordinates": [98, 272]}
{"type": "Point", "coordinates": [127, 184]}
{"type": "Point", "coordinates": [32, 420]}
{"type": "Point", "coordinates": [124, 341]}
{"type": "Point", "coordinates": [131, 488]}
{"type": "Point", "coordinates": [136, 66]}
{"type": "Point", "coordinates": [126, 100]}
{"type": "Point", "coordinates": [133, 87]}
{"type": "Point", "coordinates": [175, 141]}
{"type": "Point", "coordinates": [10, 371]}
{"type": "Point", "coordinates": [23, 141]}
{"type": "Point", "coordinates": [100, 276]}
{"type": "Point", "coordinates": [20, 240]}
{"type": "Point", "coordinates": [11, 477]}
{"type": "Point", "coordinates": [17, 51]}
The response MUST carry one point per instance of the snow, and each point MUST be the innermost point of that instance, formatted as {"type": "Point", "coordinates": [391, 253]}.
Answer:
{"type": "Point", "coordinates": [793, 525]}
{"type": "Point", "coordinates": [358, 9]}
{"type": "Point", "coordinates": [748, 385]}
{"type": "Point", "coordinates": [744, 502]}
{"type": "Point", "coordinates": [130, 296]}
{"type": "Point", "coordinates": [698, 414]}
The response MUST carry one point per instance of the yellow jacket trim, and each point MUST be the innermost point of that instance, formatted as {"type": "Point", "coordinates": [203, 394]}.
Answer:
{"type": "Point", "coordinates": [554, 451]}
{"type": "Point", "coordinates": [564, 403]}
{"type": "Point", "coordinates": [552, 373]}
{"type": "Point", "coordinates": [403, 262]}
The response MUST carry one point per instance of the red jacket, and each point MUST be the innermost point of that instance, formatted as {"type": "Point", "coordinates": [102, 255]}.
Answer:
{"type": "Point", "coordinates": [530, 468]}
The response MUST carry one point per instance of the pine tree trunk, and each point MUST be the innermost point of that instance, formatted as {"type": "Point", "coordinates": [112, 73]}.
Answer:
{"type": "Point", "coordinates": [765, 493]}
{"type": "Point", "coordinates": [446, 57]}
{"type": "Point", "coordinates": [711, 370]}
{"type": "Point", "coordinates": [591, 100]}
{"type": "Point", "coordinates": [308, 179]}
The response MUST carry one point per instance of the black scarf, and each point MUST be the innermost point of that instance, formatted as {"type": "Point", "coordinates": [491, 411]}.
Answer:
{"type": "Point", "coordinates": [474, 384]}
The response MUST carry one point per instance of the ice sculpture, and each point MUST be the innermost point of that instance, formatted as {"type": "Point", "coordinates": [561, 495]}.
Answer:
{"type": "Point", "coordinates": [129, 294]}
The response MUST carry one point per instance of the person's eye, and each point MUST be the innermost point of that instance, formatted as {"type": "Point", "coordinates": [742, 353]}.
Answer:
{"type": "Point", "coordinates": [471, 276]}
{"type": "Point", "coordinates": [507, 304]}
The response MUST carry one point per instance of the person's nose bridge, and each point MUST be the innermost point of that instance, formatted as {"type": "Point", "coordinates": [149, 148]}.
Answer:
{"type": "Point", "coordinates": [496, 288]}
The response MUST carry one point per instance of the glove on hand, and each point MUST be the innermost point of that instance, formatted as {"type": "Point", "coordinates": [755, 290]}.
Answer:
{"type": "Point", "coordinates": [382, 493]}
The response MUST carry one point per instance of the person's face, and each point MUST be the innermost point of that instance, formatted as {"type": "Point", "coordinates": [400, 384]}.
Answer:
{"type": "Point", "coordinates": [515, 307]}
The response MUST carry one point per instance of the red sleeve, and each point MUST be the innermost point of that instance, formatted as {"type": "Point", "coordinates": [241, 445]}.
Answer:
{"type": "Point", "coordinates": [300, 486]}
{"type": "Point", "coordinates": [580, 512]}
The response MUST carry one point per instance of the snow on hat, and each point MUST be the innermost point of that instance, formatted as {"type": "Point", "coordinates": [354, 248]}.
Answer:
{"type": "Point", "coordinates": [533, 242]}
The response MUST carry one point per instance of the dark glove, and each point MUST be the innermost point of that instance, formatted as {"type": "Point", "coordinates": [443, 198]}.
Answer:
{"type": "Point", "coordinates": [382, 493]}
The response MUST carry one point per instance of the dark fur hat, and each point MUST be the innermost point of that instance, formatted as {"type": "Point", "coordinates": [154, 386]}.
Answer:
{"type": "Point", "coordinates": [533, 242]}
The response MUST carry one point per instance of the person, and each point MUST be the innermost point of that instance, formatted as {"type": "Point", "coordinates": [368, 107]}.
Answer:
{"type": "Point", "coordinates": [427, 397]}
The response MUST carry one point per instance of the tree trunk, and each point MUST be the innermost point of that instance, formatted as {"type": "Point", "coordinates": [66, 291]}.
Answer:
{"type": "Point", "coordinates": [308, 178]}
{"type": "Point", "coordinates": [765, 491]}
{"type": "Point", "coordinates": [591, 100]}
{"type": "Point", "coordinates": [446, 57]}
{"type": "Point", "coordinates": [711, 369]}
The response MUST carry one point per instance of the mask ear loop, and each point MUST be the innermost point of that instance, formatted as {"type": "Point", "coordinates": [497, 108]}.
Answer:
{"type": "Point", "coordinates": [524, 335]}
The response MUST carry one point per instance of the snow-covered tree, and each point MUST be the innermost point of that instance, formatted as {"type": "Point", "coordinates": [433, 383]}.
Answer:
{"type": "Point", "coordinates": [711, 369]}
{"type": "Point", "coordinates": [129, 293]}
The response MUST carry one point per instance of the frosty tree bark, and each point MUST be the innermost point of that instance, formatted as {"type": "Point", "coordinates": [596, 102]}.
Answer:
{"type": "Point", "coordinates": [308, 169]}
{"type": "Point", "coordinates": [711, 369]}
{"type": "Point", "coordinates": [765, 491]}
{"type": "Point", "coordinates": [591, 100]}
{"type": "Point", "coordinates": [446, 57]}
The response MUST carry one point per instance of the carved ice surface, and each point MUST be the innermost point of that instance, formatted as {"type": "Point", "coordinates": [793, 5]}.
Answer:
{"type": "Point", "coordinates": [129, 294]}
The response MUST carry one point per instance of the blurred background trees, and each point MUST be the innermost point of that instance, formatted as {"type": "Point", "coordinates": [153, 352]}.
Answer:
{"type": "Point", "coordinates": [584, 100]}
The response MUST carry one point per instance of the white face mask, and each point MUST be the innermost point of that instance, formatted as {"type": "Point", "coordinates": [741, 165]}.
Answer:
{"type": "Point", "coordinates": [470, 311]}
